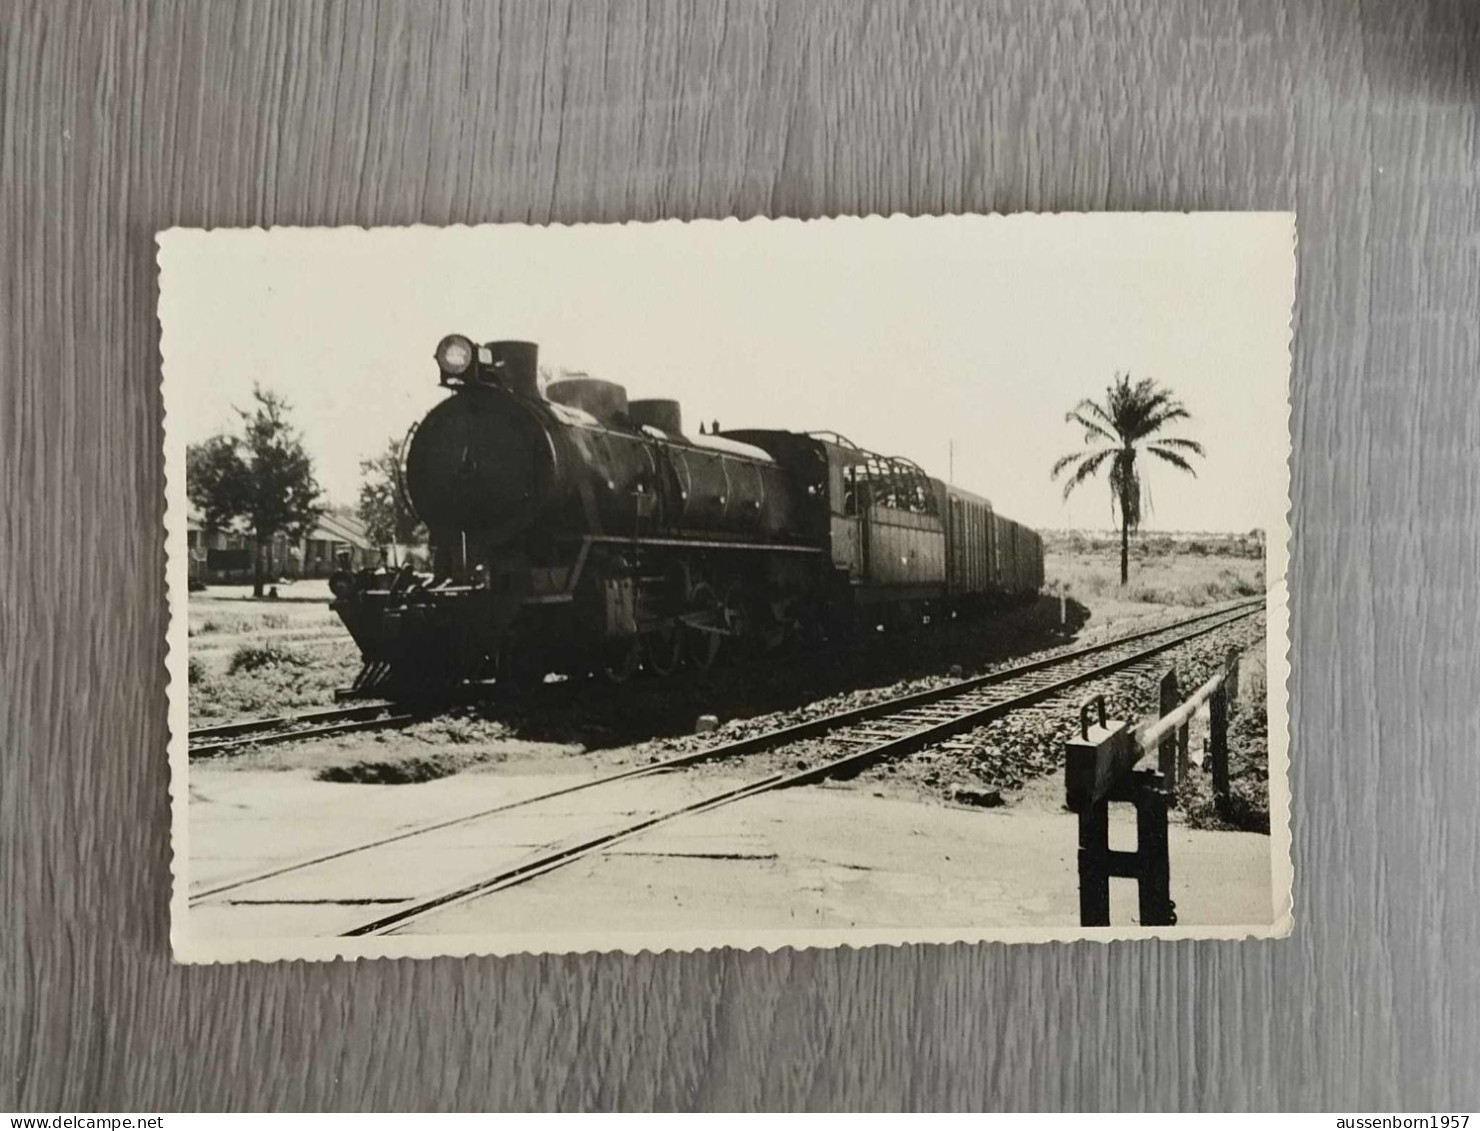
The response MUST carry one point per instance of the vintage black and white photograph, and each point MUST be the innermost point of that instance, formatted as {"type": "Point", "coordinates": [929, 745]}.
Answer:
{"type": "Point", "coordinates": [765, 583]}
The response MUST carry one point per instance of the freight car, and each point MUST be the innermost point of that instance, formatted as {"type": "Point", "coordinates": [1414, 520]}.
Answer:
{"type": "Point", "coordinates": [575, 531]}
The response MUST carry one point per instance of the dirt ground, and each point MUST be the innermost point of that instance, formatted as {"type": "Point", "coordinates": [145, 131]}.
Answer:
{"type": "Point", "coordinates": [817, 859]}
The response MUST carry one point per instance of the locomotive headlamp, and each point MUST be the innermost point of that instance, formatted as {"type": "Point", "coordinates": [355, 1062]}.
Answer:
{"type": "Point", "coordinates": [454, 355]}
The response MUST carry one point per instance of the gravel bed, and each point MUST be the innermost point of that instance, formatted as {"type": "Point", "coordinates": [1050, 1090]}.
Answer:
{"type": "Point", "coordinates": [991, 763]}
{"type": "Point", "coordinates": [732, 730]}
{"type": "Point", "coordinates": [988, 765]}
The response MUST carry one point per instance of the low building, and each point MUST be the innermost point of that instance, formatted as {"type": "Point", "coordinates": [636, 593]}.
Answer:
{"type": "Point", "coordinates": [334, 535]}
{"type": "Point", "coordinates": [216, 555]}
{"type": "Point", "coordinates": [225, 556]}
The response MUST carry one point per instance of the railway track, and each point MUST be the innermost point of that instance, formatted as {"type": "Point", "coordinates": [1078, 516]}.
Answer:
{"type": "Point", "coordinates": [854, 740]}
{"type": "Point", "coordinates": [207, 742]}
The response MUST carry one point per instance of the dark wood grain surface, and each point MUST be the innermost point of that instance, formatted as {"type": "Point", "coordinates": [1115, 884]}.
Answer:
{"type": "Point", "coordinates": [121, 119]}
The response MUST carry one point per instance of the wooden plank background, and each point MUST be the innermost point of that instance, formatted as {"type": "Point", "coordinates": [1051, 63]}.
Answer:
{"type": "Point", "coordinates": [120, 119]}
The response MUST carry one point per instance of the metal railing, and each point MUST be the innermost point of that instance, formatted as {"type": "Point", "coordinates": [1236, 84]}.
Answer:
{"type": "Point", "coordinates": [1100, 768]}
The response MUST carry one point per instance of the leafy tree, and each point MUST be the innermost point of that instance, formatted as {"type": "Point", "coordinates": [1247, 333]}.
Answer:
{"type": "Point", "coordinates": [1128, 423]}
{"type": "Point", "coordinates": [384, 508]}
{"type": "Point", "coordinates": [263, 478]}
{"type": "Point", "coordinates": [216, 479]}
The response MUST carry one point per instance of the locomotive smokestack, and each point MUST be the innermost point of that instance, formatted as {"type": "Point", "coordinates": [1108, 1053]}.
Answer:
{"type": "Point", "coordinates": [518, 366]}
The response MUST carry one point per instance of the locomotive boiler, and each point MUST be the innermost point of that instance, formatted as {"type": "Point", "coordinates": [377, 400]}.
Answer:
{"type": "Point", "coordinates": [575, 531]}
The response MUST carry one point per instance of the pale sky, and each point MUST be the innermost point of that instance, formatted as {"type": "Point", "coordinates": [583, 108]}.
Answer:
{"type": "Point", "coordinates": [902, 334]}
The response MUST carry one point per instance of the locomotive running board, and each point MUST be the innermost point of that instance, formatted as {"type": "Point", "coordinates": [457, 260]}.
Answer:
{"type": "Point", "coordinates": [706, 544]}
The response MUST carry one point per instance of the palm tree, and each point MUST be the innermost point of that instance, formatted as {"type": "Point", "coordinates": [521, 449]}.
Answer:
{"type": "Point", "coordinates": [1128, 423]}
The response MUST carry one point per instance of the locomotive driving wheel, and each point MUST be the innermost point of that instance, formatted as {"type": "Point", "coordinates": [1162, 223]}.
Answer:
{"type": "Point", "coordinates": [743, 623]}
{"type": "Point", "coordinates": [620, 660]}
{"type": "Point", "coordinates": [663, 648]}
{"type": "Point", "coordinates": [704, 626]}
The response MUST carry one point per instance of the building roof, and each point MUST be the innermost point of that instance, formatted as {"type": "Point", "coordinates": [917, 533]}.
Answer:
{"type": "Point", "coordinates": [194, 520]}
{"type": "Point", "coordinates": [342, 528]}
{"type": "Point", "coordinates": [330, 527]}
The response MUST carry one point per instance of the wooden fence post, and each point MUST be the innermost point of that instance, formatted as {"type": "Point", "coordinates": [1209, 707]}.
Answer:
{"type": "Point", "coordinates": [1166, 752]}
{"type": "Point", "coordinates": [1184, 758]}
{"type": "Point", "coordinates": [1152, 855]}
{"type": "Point", "coordinates": [1218, 744]}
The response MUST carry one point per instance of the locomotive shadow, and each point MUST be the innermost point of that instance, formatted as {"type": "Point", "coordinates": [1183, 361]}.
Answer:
{"type": "Point", "coordinates": [600, 716]}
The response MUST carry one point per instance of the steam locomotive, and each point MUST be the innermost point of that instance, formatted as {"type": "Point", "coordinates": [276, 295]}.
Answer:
{"type": "Point", "coordinates": [575, 531]}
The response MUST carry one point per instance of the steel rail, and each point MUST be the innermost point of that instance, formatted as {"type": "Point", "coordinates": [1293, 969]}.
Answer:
{"type": "Point", "coordinates": [246, 726]}
{"type": "Point", "coordinates": [267, 737]}
{"type": "Point", "coordinates": [844, 766]}
{"type": "Point", "coordinates": [811, 728]}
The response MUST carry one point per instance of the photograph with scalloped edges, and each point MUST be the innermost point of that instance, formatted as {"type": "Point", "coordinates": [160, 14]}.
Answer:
{"type": "Point", "coordinates": [767, 583]}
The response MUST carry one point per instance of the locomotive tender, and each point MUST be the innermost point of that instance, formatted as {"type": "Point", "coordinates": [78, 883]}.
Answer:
{"type": "Point", "coordinates": [574, 531]}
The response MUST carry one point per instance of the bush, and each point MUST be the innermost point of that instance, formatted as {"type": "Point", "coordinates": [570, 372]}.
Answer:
{"type": "Point", "coordinates": [228, 623]}
{"type": "Point", "coordinates": [255, 657]}
{"type": "Point", "coordinates": [195, 670]}
{"type": "Point", "coordinates": [1152, 546]}
{"type": "Point", "coordinates": [1161, 595]}
{"type": "Point", "coordinates": [1096, 583]}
